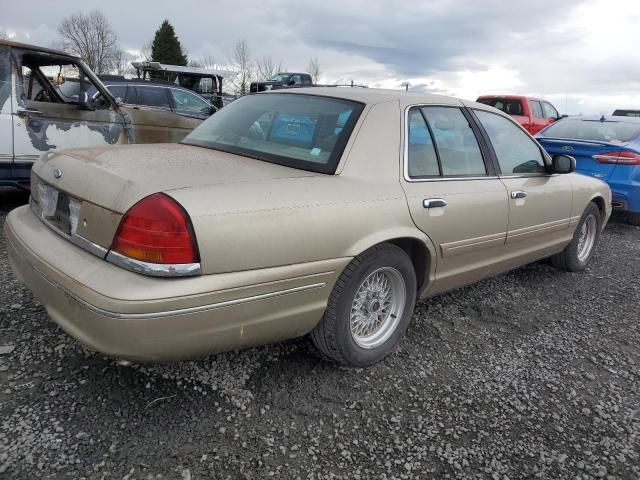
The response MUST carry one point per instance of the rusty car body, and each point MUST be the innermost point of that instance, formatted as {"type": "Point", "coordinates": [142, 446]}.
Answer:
{"type": "Point", "coordinates": [37, 112]}
{"type": "Point", "coordinates": [321, 210]}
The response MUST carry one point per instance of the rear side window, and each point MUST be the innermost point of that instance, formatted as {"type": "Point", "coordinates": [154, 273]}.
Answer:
{"type": "Point", "coordinates": [517, 153]}
{"type": "Point", "coordinates": [132, 95]}
{"type": "Point", "coordinates": [608, 131]}
{"type": "Point", "coordinates": [536, 109]}
{"type": "Point", "coordinates": [422, 157]}
{"type": "Point", "coordinates": [510, 107]}
{"type": "Point", "coordinates": [153, 97]}
{"type": "Point", "coordinates": [442, 143]}
{"type": "Point", "coordinates": [301, 131]}
{"type": "Point", "coordinates": [118, 91]}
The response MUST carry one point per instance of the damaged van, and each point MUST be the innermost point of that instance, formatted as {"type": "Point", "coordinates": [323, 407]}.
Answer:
{"type": "Point", "coordinates": [49, 99]}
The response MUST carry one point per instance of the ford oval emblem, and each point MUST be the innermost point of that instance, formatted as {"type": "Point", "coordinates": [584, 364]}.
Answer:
{"type": "Point", "coordinates": [57, 173]}
{"type": "Point", "coordinates": [567, 147]}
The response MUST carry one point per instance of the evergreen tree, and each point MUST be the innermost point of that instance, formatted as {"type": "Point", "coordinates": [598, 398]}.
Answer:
{"type": "Point", "coordinates": [166, 47]}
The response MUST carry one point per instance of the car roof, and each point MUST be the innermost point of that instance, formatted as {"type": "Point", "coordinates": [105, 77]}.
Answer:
{"type": "Point", "coordinates": [145, 83]}
{"type": "Point", "coordinates": [515, 97]}
{"type": "Point", "coordinates": [35, 48]}
{"type": "Point", "coordinates": [368, 95]}
{"type": "Point", "coordinates": [372, 96]}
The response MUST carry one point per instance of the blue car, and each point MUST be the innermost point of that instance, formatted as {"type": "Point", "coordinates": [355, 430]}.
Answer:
{"type": "Point", "coordinates": [605, 148]}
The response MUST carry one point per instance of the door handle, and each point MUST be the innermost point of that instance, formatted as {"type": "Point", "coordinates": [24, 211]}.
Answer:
{"type": "Point", "coordinates": [518, 194]}
{"type": "Point", "coordinates": [434, 202]}
{"type": "Point", "coordinates": [21, 112]}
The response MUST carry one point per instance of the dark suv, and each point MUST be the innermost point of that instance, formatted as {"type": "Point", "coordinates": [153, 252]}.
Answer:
{"type": "Point", "coordinates": [161, 95]}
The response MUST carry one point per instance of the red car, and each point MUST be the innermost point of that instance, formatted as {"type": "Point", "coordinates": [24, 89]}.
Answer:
{"type": "Point", "coordinates": [532, 113]}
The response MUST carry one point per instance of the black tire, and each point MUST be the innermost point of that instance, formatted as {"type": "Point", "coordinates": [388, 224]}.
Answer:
{"type": "Point", "coordinates": [568, 259]}
{"type": "Point", "coordinates": [634, 219]}
{"type": "Point", "coordinates": [333, 337]}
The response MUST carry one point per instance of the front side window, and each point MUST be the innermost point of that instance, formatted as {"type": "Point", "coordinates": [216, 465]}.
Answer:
{"type": "Point", "coordinates": [46, 79]}
{"type": "Point", "coordinates": [536, 109]}
{"type": "Point", "coordinates": [549, 111]}
{"type": "Point", "coordinates": [188, 102]}
{"type": "Point", "coordinates": [517, 153]}
{"type": "Point", "coordinates": [300, 131]}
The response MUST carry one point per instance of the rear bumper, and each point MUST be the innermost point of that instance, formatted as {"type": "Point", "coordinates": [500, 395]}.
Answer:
{"type": "Point", "coordinates": [130, 316]}
{"type": "Point", "coordinates": [625, 188]}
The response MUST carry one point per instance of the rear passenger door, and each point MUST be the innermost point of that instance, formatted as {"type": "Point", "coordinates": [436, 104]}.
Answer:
{"type": "Point", "coordinates": [539, 202]}
{"type": "Point", "coordinates": [453, 193]}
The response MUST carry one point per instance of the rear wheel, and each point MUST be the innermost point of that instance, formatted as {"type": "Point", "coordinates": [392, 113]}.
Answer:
{"type": "Point", "coordinates": [577, 255]}
{"type": "Point", "coordinates": [369, 309]}
{"type": "Point", "coordinates": [634, 218]}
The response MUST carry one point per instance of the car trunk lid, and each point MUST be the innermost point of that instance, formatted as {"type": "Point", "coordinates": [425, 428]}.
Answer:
{"type": "Point", "coordinates": [584, 152]}
{"type": "Point", "coordinates": [93, 188]}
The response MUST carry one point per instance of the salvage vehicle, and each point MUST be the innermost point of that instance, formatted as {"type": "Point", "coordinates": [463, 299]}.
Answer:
{"type": "Point", "coordinates": [533, 114]}
{"type": "Point", "coordinates": [204, 81]}
{"type": "Point", "coordinates": [46, 102]}
{"type": "Point", "coordinates": [282, 80]}
{"type": "Point", "coordinates": [607, 148]}
{"type": "Point", "coordinates": [239, 237]}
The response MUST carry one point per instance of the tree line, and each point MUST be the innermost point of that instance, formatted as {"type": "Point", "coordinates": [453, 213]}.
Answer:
{"type": "Point", "coordinates": [90, 37]}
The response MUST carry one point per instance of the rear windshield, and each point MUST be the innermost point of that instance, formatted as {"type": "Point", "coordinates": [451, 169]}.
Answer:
{"type": "Point", "coordinates": [627, 113]}
{"type": "Point", "coordinates": [301, 131]}
{"type": "Point", "coordinates": [511, 107]}
{"type": "Point", "coordinates": [595, 130]}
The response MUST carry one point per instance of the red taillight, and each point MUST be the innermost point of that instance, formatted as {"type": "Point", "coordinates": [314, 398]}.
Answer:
{"type": "Point", "coordinates": [618, 158]}
{"type": "Point", "coordinates": [156, 230]}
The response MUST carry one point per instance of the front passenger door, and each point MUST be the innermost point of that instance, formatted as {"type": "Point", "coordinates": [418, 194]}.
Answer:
{"type": "Point", "coordinates": [539, 203]}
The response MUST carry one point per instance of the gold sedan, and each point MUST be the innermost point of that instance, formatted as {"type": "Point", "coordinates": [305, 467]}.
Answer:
{"type": "Point", "coordinates": [324, 210]}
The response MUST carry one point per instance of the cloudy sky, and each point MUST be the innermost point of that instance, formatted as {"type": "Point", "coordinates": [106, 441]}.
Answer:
{"type": "Point", "coordinates": [583, 55]}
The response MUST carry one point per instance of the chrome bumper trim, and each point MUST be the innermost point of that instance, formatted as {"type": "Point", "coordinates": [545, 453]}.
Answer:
{"type": "Point", "coordinates": [154, 269]}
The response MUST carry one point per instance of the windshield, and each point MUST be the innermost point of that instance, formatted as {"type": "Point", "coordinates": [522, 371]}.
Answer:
{"type": "Point", "coordinates": [301, 131]}
{"type": "Point", "coordinates": [280, 77]}
{"type": "Point", "coordinates": [608, 131]}
{"type": "Point", "coordinates": [511, 107]}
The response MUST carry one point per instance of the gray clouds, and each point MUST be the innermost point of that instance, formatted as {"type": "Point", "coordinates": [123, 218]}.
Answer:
{"type": "Point", "coordinates": [562, 49]}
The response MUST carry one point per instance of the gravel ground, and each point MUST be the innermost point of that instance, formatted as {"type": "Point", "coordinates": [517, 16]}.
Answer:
{"type": "Point", "coordinates": [532, 374]}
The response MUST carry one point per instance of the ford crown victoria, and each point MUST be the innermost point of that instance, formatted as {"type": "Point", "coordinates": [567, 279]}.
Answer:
{"type": "Point", "coordinates": [325, 211]}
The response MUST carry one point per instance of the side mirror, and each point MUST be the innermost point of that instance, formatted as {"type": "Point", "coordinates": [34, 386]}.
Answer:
{"type": "Point", "coordinates": [212, 109]}
{"type": "Point", "coordinates": [291, 82]}
{"type": "Point", "coordinates": [563, 164]}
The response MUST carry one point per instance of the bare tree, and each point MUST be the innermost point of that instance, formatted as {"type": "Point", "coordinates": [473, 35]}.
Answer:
{"type": "Point", "coordinates": [266, 68]}
{"type": "Point", "coordinates": [240, 59]}
{"type": "Point", "coordinates": [206, 61]}
{"type": "Point", "coordinates": [314, 69]}
{"type": "Point", "coordinates": [3, 34]}
{"type": "Point", "coordinates": [145, 52]}
{"type": "Point", "coordinates": [91, 38]}
{"type": "Point", "coordinates": [122, 62]}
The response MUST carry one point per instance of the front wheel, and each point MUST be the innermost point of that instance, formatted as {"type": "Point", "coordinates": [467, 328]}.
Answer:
{"type": "Point", "coordinates": [369, 308]}
{"type": "Point", "coordinates": [577, 255]}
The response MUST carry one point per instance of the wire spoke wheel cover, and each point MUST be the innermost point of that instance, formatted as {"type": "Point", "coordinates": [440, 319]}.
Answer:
{"type": "Point", "coordinates": [377, 307]}
{"type": "Point", "coordinates": [587, 238]}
